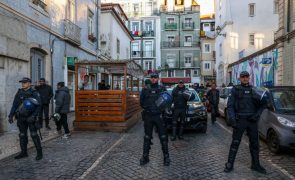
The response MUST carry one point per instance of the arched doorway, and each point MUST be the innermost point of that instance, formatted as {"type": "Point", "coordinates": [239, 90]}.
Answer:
{"type": "Point", "coordinates": [37, 64]}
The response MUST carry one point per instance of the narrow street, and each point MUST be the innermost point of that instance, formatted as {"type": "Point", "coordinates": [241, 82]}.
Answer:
{"type": "Point", "coordinates": [102, 155]}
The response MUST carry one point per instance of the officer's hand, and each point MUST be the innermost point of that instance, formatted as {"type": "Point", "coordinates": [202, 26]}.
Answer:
{"type": "Point", "coordinates": [233, 123]}
{"type": "Point", "coordinates": [10, 119]}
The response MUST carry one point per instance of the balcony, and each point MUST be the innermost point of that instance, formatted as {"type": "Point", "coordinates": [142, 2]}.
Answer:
{"type": "Point", "coordinates": [136, 54]}
{"type": "Point", "coordinates": [170, 44]}
{"type": "Point", "coordinates": [187, 65]}
{"type": "Point", "coordinates": [148, 53]}
{"type": "Point", "coordinates": [188, 26]}
{"type": "Point", "coordinates": [190, 44]}
{"type": "Point", "coordinates": [148, 34]}
{"type": "Point", "coordinates": [72, 32]}
{"type": "Point", "coordinates": [171, 26]}
{"type": "Point", "coordinates": [187, 44]}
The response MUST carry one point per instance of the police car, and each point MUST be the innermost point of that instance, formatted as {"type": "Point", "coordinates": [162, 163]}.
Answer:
{"type": "Point", "coordinates": [196, 115]}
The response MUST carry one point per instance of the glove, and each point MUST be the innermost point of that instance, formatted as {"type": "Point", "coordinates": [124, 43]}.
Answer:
{"type": "Point", "coordinates": [233, 123]}
{"type": "Point", "coordinates": [10, 119]}
{"type": "Point", "coordinates": [168, 111]}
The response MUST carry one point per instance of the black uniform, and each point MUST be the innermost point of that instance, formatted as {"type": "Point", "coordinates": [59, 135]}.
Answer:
{"type": "Point", "coordinates": [25, 122]}
{"type": "Point", "coordinates": [180, 107]}
{"type": "Point", "coordinates": [152, 116]}
{"type": "Point", "coordinates": [46, 93]}
{"type": "Point", "coordinates": [244, 109]}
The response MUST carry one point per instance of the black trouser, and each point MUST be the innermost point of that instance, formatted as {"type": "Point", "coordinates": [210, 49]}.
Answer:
{"type": "Point", "coordinates": [178, 113]}
{"type": "Point", "coordinates": [214, 112]}
{"type": "Point", "coordinates": [23, 126]}
{"type": "Point", "coordinates": [63, 122]}
{"type": "Point", "coordinates": [150, 121]}
{"type": "Point", "coordinates": [252, 132]}
{"type": "Point", "coordinates": [44, 110]}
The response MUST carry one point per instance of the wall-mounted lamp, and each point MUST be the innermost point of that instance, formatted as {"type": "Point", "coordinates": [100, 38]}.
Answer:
{"type": "Point", "coordinates": [218, 30]}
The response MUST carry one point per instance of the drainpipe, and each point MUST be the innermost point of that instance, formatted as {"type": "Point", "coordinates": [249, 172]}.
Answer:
{"type": "Point", "coordinates": [288, 15]}
{"type": "Point", "coordinates": [51, 61]}
{"type": "Point", "coordinates": [97, 27]}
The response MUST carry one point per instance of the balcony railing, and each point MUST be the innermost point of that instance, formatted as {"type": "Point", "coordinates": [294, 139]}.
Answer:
{"type": "Point", "coordinates": [148, 53]}
{"type": "Point", "coordinates": [170, 26]}
{"type": "Point", "coordinates": [169, 44]}
{"type": "Point", "coordinates": [135, 53]}
{"type": "Point", "coordinates": [181, 8]}
{"type": "Point", "coordinates": [72, 32]}
{"type": "Point", "coordinates": [138, 54]}
{"type": "Point", "coordinates": [148, 34]}
{"type": "Point", "coordinates": [188, 26]}
{"type": "Point", "coordinates": [187, 65]}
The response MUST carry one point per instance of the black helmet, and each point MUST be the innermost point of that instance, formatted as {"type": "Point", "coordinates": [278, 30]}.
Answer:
{"type": "Point", "coordinates": [244, 73]}
{"type": "Point", "coordinates": [154, 75]}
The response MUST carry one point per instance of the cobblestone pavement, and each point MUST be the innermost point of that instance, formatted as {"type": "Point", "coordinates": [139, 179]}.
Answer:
{"type": "Point", "coordinates": [9, 142]}
{"type": "Point", "coordinates": [98, 155]}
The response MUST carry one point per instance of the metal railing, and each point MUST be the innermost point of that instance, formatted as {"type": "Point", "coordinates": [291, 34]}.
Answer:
{"type": "Point", "coordinates": [148, 53]}
{"type": "Point", "coordinates": [172, 44]}
{"type": "Point", "coordinates": [170, 26]}
{"type": "Point", "coordinates": [72, 32]}
{"type": "Point", "coordinates": [188, 26]}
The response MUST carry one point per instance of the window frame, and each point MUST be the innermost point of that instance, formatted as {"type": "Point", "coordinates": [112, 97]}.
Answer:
{"type": "Point", "coordinates": [249, 39]}
{"type": "Point", "coordinates": [276, 6]}
{"type": "Point", "coordinates": [204, 48]}
{"type": "Point", "coordinates": [118, 45]}
{"type": "Point", "coordinates": [249, 9]}
{"type": "Point", "coordinates": [209, 66]}
{"type": "Point", "coordinates": [148, 61]}
{"type": "Point", "coordinates": [173, 72]}
{"type": "Point", "coordinates": [90, 22]}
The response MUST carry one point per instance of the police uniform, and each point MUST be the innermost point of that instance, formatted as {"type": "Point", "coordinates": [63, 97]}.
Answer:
{"type": "Point", "coordinates": [180, 107]}
{"type": "Point", "coordinates": [152, 116]}
{"type": "Point", "coordinates": [26, 120]}
{"type": "Point", "coordinates": [244, 108]}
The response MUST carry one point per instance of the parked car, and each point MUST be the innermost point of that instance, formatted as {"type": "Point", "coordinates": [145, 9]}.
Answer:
{"type": "Point", "coordinates": [222, 108]}
{"type": "Point", "coordinates": [277, 122]}
{"type": "Point", "coordinates": [196, 115]}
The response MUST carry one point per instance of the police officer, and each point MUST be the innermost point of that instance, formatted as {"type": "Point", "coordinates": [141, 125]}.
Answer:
{"type": "Point", "coordinates": [244, 108]}
{"type": "Point", "coordinates": [152, 116]}
{"type": "Point", "coordinates": [26, 119]}
{"type": "Point", "coordinates": [180, 107]}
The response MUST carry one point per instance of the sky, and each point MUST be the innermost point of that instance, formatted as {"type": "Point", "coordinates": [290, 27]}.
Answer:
{"type": "Point", "coordinates": [207, 6]}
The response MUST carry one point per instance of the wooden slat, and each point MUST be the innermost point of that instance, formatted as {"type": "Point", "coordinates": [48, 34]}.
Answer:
{"type": "Point", "coordinates": [101, 96]}
{"type": "Point", "coordinates": [82, 108]}
{"type": "Point", "coordinates": [100, 104]}
{"type": "Point", "coordinates": [95, 100]}
{"type": "Point", "coordinates": [100, 118]}
{"type": "Point", "coordinates": [100, 113]}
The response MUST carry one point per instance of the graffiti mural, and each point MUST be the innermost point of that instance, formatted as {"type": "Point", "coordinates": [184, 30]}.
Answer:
{"type": "Point", "coordinates": [261, 68]}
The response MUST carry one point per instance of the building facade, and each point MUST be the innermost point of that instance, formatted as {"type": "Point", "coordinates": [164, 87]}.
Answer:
{"type": "Point", "coordinates": [243, 27]}
{"type": "Point", "coordinates": [115, 37]}
{"type": "Point", "coordinates": [207, 37]}
{"type": "Point", "coordinates": [285, 37]}
{"type": "Point", "coordinates": [44, 39]}
{"type": "Point", "coordinates": [180, 42]}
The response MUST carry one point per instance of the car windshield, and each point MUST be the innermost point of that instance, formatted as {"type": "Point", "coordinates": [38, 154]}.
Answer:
{"type": "Point", "coordinates": [197, 98]}
{"type": "Point", "coordinates": [284, 100]}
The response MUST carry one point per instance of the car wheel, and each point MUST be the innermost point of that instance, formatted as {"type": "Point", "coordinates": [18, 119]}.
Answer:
{"type": "Point", "coordinates": [273, 142]}
{"type": "Point", "coordinates": [226, 118]}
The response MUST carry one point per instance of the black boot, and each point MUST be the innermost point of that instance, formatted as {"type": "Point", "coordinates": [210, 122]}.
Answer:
{"type": "Point", "coordinates": [255, 162]}
{"type": "Point", "coordinates": [229, 166]}
{"type": "Point", "coordinates": [146, 149]}
{"type": "Point", "coordinates": [47, 124]}
{"type": "Point", "coordinates": [39, 154]}
{"type": "Point", "coordinates": [180, 135]}
{"type": "Point", "coordinates": [165, 153]}
{"type": "Point", "coordinates": [37, 143]}
{"type": "Point", "coordinates": [173, 138]}
{"type": "Point", "coordinates": [23, 141]}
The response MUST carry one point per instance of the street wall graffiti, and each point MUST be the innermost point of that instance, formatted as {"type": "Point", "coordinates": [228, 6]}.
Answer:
{"type": "Point", "coordinates": [262, 69]}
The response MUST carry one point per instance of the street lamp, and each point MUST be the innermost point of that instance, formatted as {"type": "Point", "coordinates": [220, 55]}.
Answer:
{"type": "Point", "coordinates": [218, 30]}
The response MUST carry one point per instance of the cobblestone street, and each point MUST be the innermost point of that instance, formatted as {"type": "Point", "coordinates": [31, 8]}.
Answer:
{"type": "Point", "coordinates": [102, 155]}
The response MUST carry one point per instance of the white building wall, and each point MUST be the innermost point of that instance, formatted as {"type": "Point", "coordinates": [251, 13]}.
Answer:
{"type": "Point", "coordinates": [233, 17]}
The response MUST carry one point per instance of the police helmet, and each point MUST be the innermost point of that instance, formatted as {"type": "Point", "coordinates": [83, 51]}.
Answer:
{"type": "Point", "coordinates": [165, 100]}
{"type": "Point", "coordinates": [154, 75]}
{"type": "Point", "coordinates": [30, 104]}
{"type": "Point", "coordinates": [188, 95]}
{"type": "Point", "coordinates": [56, 117]}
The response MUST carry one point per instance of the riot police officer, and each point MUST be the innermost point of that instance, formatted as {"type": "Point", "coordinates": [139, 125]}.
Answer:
{"type": "Point", "coordinates": [152, 116]}
{"type": "Point", "coordinates": [26, 108]}
{"type": "Point", "coordinates": [180, 107]}
{"type": "Point", "coordinates": [245, 105]}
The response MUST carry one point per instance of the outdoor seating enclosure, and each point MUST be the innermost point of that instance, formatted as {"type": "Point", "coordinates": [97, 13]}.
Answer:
{"type": "Point", "coordinates": [115, 109]}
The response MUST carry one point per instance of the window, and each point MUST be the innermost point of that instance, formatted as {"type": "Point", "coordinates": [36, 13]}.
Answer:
{"type": "Point", "coordinates": [259, 41]}
{"type": "Point", "coordinates": [207, 66]}
{"type": "Point", "coordinates": [188, 38]}
{"type": "Point", "coordinates": [118, 46]}
{"type": "Point", "coordinates": [148, 26]}
{"type": "Point", "coordinates": [206, 27]}
{"type": "Point", "coordinates": [234, 40]}
{"type": "Point", "coordinates": [187, 73]}
{"type": "Point", "coordinates": [136, 8]}
{"type": "Point", "coordinates": [148, 49]}
{"type": "Point", "coordinates": [135, 26]}
{"type": "Point", "coordinates": [188, 22]}
{"type": "Point", "coordinates": [196, 72]}
{"type": "Point", "coordinates": [207, 48]}
{"type": "Point", "coordinates": [220, 49]}
{"type": "Point", "coordinates": [40, 3]}
{"type": "Point", "coordinates": [252, 10]}
{"type": "Point", "coordinates": [171, 38]}
{"type": "Point", "coordinates": [135, 46]}
{"type": "Point", "coordinates": [148, 8]}
{"type": "Point", "coordinates": [187, 61]}
{"type": "Point", "coordinates": [251, 39]}
{"type": "Point", "coordinates": [170, 73]}
{"type": "Point", "coordinates": [71, 10]}
{"type": "Point", "coordinates": [179, 2]}
{"type": "Point", "coordinates": [276, 7]}
{"type": "Point", "coordinates": [37, 65]}
{"type": "Point", "coordinates": [170, 20]}
{"type": "Point", "coordinates": [170, 60]}
{"type": "Point", "coordinates": [220, 4]}
{"type": "Point", "coordinates": [148, 65]}
{"type": "Point", "coordinates": [90, 23]}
